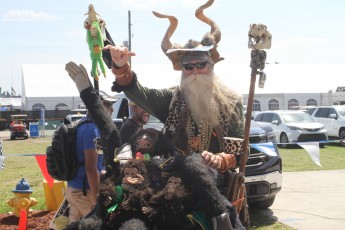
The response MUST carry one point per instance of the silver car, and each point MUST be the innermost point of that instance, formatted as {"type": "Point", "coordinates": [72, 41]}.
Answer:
{"type": "Point", "coordinates": [291, 126]}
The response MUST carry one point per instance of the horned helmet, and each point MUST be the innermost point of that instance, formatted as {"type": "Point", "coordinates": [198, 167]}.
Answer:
{"type": "Point", "coordinates": [176, 52]}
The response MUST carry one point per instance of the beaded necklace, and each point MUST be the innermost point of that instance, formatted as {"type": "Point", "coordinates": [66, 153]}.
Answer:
{"type": "Point", "coordinates": [199, 137]}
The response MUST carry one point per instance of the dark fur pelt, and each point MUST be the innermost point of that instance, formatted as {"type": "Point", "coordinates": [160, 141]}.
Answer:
{"type": "Point", "coordinates": [196, 173]}
{"type": "Point", "coordinates": [203, 180]}
{"type": "Point", "coordinates": [133, 224]}
{"type": "Point", "coordinates": [89, 223]}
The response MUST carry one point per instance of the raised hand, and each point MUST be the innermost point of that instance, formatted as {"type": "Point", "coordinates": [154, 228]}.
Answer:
{"type": "Point", "coordinates": [120, 55]}
{"type": "Point", "coordinates": [79, 75]}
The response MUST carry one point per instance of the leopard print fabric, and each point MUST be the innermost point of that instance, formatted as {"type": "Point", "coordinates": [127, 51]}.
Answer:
{"type": "Point", "coordinates": [233, 145]}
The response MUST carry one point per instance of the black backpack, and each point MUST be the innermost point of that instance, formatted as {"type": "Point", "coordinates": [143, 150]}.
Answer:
{"type": "Point", "coordinates": [62, 162]}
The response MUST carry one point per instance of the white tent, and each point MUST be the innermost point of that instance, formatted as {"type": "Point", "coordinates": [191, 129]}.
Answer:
{"type": "Point", "coordinates": [48, 86]}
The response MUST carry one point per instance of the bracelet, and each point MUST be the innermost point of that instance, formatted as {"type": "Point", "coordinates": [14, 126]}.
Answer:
{"type": "Point", "coordinates": [226, 161]}
{"type": "Point", "coordinates": [123, 74]}
{"type": "Point", "coordinates": [120, 71]}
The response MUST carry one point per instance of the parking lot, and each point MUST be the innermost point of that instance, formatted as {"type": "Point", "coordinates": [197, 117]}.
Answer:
{"type": "Point", "coordinates": [311, 200]}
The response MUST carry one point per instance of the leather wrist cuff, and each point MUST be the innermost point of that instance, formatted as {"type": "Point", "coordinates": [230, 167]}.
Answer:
{"type": "Point", "coordinates": [123, 75]}
{"type": "Point", "coordinates": [228, 161]}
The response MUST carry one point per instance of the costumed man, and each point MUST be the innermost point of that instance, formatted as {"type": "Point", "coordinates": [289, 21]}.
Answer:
{"type": "Point", "coordinates": [195, 172]}
{"type": "Point", "coordinates": [199, 112]}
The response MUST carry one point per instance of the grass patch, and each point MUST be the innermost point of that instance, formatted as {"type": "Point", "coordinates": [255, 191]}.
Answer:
{"type": "Point", "coordinates": [262, 222]}
{"type": "Point", "coordinates": [297, 159]}
{"type": "Point", "coordinates": [18, 166]}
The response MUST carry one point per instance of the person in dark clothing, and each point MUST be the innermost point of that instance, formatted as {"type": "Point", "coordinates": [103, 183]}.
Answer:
{"type": "Point", "coordinates": [133, 124]}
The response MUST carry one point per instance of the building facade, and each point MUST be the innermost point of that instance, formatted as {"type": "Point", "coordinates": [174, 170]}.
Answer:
{"type": "Point", "coordinates": [295, 101]}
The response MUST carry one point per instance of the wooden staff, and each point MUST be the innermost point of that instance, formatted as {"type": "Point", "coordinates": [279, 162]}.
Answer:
{"type": "Point", "coordinates": [259, 38]}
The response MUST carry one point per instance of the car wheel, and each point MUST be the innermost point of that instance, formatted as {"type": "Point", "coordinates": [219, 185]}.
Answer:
{"type": "Point", "coordinates": [284, 139]}
{"type": "Point", "coordinates": [262, 204]}
{"type": "Point", "coordinates": [321, 145]}
{"type": "Point", "coordinates": [342, 136]}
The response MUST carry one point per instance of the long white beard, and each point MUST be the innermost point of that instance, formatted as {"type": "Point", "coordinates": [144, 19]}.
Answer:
{"type": "Point", "coordinates": [198, 92]}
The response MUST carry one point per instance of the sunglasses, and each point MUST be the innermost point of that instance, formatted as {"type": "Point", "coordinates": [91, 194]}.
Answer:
{"type": "Point", "coordinates": [199, 65]}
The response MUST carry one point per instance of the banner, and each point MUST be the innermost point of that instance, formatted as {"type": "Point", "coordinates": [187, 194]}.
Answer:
{"type": "Point", "coordinates": [313, 150]}
{"type": "Point", "coordinates": [41, 160]}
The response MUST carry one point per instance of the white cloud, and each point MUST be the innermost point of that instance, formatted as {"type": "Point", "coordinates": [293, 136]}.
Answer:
{"type": "Point", "coordinates": [27, 15]}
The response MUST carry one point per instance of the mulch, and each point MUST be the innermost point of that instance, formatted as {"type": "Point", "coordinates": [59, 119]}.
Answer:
{"type": "Point", "coordinates": [36, 220]}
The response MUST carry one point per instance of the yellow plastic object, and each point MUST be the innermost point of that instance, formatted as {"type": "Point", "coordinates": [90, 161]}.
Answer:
{"type": "Point", "coordinates": [55, 195]}
{"type": "Point", "coordinates": [22, 198]}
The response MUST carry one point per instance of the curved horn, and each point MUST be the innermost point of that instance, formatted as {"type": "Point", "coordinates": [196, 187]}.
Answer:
{"type": "Point", "coordinates": [166, 44]}
{"type": "Point", "coordinates": [215, 30]}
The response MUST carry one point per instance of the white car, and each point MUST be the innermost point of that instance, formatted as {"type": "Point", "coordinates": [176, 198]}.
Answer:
{"type": "Point", "coordinates": [333, 117]}
{"type": "Point", "coordinates": [73, 117]}
{"type": "Point", "coordinates": [291, 126]}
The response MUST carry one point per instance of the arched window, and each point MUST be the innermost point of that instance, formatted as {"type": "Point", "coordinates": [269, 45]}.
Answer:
{"type": "Point", "coordinates": [311, 102]}
{"type": "Point", "coordinates": [293, 104]}
{"type": "Point", "coordinates": [61, 106]}
{"type": "Point", "coordinates": [256, 105]}
{"type": "Point", "coordinates": [273, 104]}
{"type": "Point", "coordinates": [38, 106]}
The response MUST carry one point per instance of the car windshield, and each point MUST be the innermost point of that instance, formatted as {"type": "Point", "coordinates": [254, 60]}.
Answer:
{"type": "Point", "coordinates": [76, 118]}
{"type": "Point", "coordinates": [341, 111]}
{"type": "Point", "coordinates": [297, 118]}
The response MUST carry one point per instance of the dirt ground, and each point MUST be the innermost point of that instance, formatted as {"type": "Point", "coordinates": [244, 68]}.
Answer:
{"type": "Point", "coordinates": [37, 220]}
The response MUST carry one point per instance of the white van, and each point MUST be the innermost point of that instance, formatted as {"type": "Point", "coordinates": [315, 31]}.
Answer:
{"type": "Point", "coordinates": [333, 117]}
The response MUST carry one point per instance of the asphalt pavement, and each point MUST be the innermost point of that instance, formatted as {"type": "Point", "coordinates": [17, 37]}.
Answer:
{"type": "Point", "coordinates": [311, 200]}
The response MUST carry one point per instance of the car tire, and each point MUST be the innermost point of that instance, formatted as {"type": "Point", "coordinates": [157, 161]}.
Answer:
{"type": "Point", "coordinates": [284, 139]}
{"type": "Point", "coordinates": [262, 204]}
{"type": "Point", "coordinates": [321, 145]}
{"type": "Point", "coordinates": [342, 136]}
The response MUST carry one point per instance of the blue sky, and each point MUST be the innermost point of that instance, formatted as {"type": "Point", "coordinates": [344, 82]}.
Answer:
{"type": "Point", "coordinates": [308, 38]}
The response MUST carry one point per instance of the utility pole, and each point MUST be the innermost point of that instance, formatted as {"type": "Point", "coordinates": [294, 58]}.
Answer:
{"type": "Point", "coordinates": [129, 34]}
